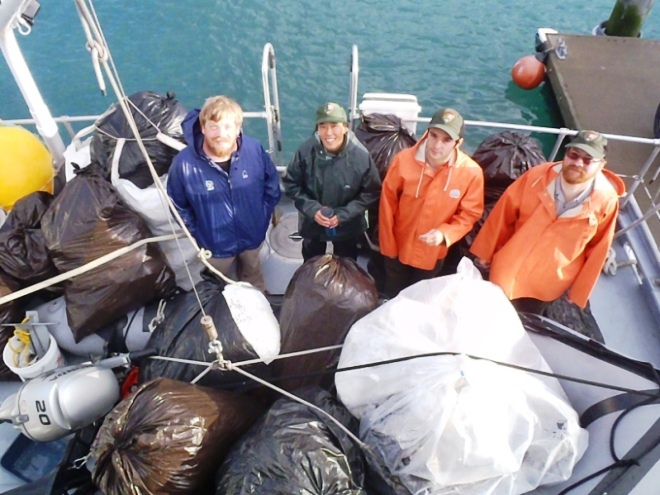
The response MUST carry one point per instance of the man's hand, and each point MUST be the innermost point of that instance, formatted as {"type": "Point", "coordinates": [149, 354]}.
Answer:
{"type": "Point", "coordinates": [433, 237]}
{"type": "Point", "coordinates": [324, 221]}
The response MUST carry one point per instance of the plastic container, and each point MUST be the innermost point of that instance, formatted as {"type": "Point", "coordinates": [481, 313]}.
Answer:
{"type": "Point", "coordinates": [403, 106]}
{"type": "Point", "coordinates": [52, 359]}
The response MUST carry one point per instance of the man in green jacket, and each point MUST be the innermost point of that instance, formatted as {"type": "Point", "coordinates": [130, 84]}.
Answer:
{"type": "Point", "coordinates": [332, 181]}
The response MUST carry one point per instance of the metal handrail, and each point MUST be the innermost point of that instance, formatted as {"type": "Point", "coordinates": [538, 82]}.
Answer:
{"type": "Point", "coordinates": [272, 113]}
{"type": "Point", "coordinates": [353, 87]}
{"type": "Point", "coordinates": [561, 133]}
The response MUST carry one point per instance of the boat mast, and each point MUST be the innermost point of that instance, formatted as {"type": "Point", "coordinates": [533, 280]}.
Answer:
{"type": "Point", "coordinates": [19, 14]}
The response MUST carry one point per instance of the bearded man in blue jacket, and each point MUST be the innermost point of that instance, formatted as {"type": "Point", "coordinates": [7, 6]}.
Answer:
{"type": "Point", "coordinates": [225, 187]}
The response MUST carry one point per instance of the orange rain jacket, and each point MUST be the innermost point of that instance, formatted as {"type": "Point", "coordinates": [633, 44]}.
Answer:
{"type": "Point", "coordinates": [533, 252]}
{"type": "Point", "coordinates": [415, 199]}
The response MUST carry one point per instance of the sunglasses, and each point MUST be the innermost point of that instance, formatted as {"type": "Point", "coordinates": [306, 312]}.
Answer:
{"type": "Point", "coordinates": [586, 160]}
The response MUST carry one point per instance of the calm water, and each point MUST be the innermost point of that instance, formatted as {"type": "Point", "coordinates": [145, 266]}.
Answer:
{"type": "Point", "coordinates": [449, 53]}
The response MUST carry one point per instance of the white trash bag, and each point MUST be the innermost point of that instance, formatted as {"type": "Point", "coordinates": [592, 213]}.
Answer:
{"type": "Point", "coordinates": [452, 424]}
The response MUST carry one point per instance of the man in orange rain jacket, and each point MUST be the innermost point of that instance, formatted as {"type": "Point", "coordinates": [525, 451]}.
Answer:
{"type": "Point", "coordinates": [551, 230]}
{"type": "Point", "coordinates": [432, 196]}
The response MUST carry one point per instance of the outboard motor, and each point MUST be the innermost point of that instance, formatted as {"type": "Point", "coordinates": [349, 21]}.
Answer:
{"type": "Point", "coordinates": [61, 401]}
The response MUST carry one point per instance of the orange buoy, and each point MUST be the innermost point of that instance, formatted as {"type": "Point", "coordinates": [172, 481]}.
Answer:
{"type": "Point", "coordinates": [528, 72]}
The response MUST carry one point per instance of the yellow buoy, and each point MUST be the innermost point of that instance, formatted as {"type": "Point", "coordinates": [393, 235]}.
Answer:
{"type": "Point", "coordinates": [26, 165]}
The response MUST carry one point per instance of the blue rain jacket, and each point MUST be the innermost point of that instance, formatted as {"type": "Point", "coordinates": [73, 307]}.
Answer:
{"type": "Point", "coordinates": [227, 213]}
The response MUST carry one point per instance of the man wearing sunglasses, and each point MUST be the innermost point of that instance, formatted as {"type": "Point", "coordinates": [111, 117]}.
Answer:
{"type": "Point", "coordinates": [552, 229]}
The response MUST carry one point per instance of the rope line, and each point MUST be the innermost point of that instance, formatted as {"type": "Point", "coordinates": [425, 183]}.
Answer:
{"type": "Point", "coordinates": [650, 395]}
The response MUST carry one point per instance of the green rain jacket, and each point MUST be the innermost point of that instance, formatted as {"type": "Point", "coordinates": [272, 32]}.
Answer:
{"type": "Point", "coordinates": [347, 181]}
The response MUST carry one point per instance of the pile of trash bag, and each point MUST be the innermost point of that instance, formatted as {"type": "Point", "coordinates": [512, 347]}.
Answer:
{"type": "Point", "coordinates": [503, 157]}
{"type": "Point", "coordinates": [154, 114]}
{"type": "Point", "coordinates": [129, 332]}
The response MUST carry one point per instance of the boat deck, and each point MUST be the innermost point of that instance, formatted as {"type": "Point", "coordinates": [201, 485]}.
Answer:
{"type": "Point", "coordinates": [598, 86]}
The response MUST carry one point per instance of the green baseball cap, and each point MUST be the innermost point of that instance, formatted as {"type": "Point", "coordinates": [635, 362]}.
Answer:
{"type": "Point", "coordinates": [331, 112]}
{"type": "Point", "coordinates": [592, 142]}
{"type": "Point", "coordinates": [450, 121]}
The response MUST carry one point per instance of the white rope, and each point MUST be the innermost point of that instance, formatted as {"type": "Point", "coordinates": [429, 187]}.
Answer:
{"type": "Point", "coordinates": [159, 135]}
{"type": "Point", "coordinates": [610, 265]}
{"type": "Point", "coordinates": [84, 268]}
{"type": "Point", "coordinates": [158, 317]}
{"type": "Point", "coordinates": [301, 401]}
{"type": "Point", "coordinates": [94, 35]}
{"type": "Point", "coordinates": [228, 366]}
{"type": "Point", "coordinates": [248, 362]}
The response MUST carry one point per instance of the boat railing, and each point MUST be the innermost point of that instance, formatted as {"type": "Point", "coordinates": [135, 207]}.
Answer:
{"type": "Point", "coordinates": [640, 245]}
{"type": "Point", "coordinates": [561, 133]}
{"type": "Point", "coordinates": [271, 103]}
{"type": "Point", "coordinates": [271, 113]}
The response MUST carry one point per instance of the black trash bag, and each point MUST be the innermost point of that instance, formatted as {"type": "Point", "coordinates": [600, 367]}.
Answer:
{"type": "Point", "coordinates": [155, 113]}
{"type": "Point", "coordinates": [295, 449]}
{"type": "Point", "coordinates": [168, 437]}
{"type": "Point", "coordinates": [656, 124]}
{"type": "Point", "coordinates": [572, 316]}
{"type": "Point", "coordinates": [86, 221]}
{"type": "Point", "coordinates": [506, 156]}
{"type": "Point", "coordinates": [325, 296]}
{"type": "Point", "coordinates": [23, 252]}
{"type": "Point", "coordinates": [181, 335]}
{"type": "Point", "coordinates": [384, 135]}
{"type": "Point", "coordinates": [503, 157]}
{"type": "Point", "coordinates": [9, 313]}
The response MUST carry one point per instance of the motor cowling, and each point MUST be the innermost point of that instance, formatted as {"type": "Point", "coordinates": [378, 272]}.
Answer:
{"type": "Point", "coordinates": [57, 403]}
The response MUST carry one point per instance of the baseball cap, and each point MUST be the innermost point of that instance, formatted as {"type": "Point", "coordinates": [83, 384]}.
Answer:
{"type": "Point", "coordinates": [330, 112]}
{"type": "Point", "coordinates": [450, 121]}
{"type": "Point", "coordinates": [592, 142]}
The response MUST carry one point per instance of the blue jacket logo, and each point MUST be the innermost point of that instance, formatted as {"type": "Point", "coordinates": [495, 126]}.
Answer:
{"type": "Point", "coordinates": [209, 185]}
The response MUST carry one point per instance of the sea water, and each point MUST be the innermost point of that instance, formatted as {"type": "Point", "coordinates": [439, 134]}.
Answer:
{"type": "Point", "coordinates": [456, 53]}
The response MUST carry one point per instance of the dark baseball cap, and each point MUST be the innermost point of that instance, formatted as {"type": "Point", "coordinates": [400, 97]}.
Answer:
{"type": "Point", "coordinates": [450, 121]}
{"type": "Point", "coordinates": [330, 112]}
{"type": "Point", "coordinates": [592, 142]}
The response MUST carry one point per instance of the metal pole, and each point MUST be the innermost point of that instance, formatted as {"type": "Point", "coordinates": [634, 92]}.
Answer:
{"type": "Point", "coordinates": [628, 17]}
{"type": "Point", "coordinates": [46, 125]}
